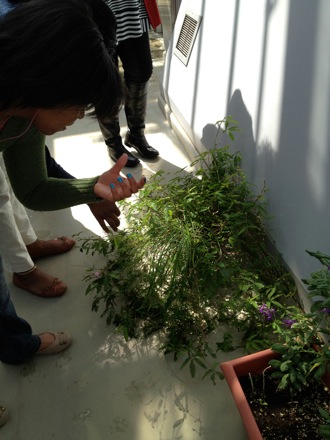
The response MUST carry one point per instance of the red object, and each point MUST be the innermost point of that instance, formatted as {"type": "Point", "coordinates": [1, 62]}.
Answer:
{"type": "Point", "coordinates": [153, 12]}
{"type": "Point", "coordinates": [232, 370]}
{"type": "Point", "coordinates": [253, 364]}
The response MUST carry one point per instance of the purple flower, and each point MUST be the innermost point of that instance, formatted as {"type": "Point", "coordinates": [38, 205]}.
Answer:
{"type": "Point", "coordinates": [268, 313]}
{"type": "Point", "coordinates": [288, 322]}
{"type": "Point", "coordinates": [97, 274]}
{"type": "Point", "coordinates": [325, 310]}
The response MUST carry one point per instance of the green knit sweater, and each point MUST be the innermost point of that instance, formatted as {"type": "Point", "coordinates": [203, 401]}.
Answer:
{"type": "Point", "coordinates": [24, 156]}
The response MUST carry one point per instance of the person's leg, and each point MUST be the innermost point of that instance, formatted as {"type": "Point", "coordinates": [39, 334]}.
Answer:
{"type": "Point", "coordinates": [22, 233]}
{"type": "Point", "coordinates": [12, 246]}
{"type": "Point", "coordinates": [22, 220]}
{"type": "Point", "coordinates": [13, 249]}
{"type": "Point", "coordinates": [17, 343]}
{"type": "Point", "coordinates": [110, 129]}
{"type": "Point", "coordinates": [135, 110]}
{"type": "Point", "coordinates": [136, 59]}
{"type": "Point", "coordinates": [137, 64]}
{"type": "Point", "coordinates": [36, 248]}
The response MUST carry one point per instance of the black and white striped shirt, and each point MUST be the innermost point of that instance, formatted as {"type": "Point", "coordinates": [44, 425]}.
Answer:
{"type": "Point", "coordinates": [131, 17]}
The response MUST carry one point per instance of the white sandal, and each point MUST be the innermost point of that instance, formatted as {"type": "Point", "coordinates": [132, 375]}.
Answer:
{"type": "Point", "coordinates": [61, 342]}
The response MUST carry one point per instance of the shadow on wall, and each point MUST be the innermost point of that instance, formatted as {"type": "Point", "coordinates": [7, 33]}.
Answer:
{"type": "Point", "coordinates": [235, 104]}
{"type": "Point", "coordinates": [298, 196]}
{"type": "Point", "coordinates": [244, 139]}
{"type": "Point", "coordinates": [297, 169]}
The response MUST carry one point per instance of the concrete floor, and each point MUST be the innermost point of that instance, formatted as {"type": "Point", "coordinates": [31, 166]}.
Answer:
{"type": "Point", "coordinates": [103, 388]}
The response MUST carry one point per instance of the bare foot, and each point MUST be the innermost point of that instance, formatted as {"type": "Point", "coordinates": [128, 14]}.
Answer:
{"type": "Point", "coordinates": [39, 283]}
{"type": "Point", "coordinates": [45, 248]}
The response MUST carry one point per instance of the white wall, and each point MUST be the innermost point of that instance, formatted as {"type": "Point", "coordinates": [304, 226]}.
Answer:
{"type": "Point", "coordinates": [266, 63]}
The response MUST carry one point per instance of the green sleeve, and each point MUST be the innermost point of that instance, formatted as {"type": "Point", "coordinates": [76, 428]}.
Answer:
{"type": "Point", "coordinates": [26, 167]}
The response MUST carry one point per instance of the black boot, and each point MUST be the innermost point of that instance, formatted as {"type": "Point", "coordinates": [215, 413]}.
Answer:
{"type": "Point", "coordinates": [116, 149]}
{"type": "Point", "coordinates": [111, 133]}
{"type": "Point", "coordinates": [135, 111]}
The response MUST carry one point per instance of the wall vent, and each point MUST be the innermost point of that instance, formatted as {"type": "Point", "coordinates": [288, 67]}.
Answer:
{"type": "Point", "coordinates": [187, 36]}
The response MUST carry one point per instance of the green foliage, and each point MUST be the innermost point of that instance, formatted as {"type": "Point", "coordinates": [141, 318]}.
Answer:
{"type": "Point", "coordinates": [302, 341]}
{"type": "Point", "coordinates": [324, 429]}
{"type": "Point", "coordinates": [292, 367]}
{"type": "Point", "coordinates": [319, 289]}
{"type": "Point", "coordinates": [195, 258]}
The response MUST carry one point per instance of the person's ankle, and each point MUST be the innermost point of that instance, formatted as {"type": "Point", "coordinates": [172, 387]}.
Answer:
{"type": "Point", "coordinates": [27, 272]}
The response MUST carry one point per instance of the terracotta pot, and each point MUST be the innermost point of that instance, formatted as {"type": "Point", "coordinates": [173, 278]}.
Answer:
{"type": "Point", "coordinates": [232, 370]}
{"type": "Point", "coordinates": [253, 364]}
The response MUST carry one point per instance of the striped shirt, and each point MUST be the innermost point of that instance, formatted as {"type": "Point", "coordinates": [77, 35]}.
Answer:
{"type": "Point", "coordinates": [131, 17]}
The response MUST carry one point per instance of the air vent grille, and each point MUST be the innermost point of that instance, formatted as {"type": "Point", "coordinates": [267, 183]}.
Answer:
{"type": "Point", "coordinates": [187, 36]}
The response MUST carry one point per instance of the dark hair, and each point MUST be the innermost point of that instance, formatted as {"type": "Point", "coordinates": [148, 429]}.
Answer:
{"type": "Point", "coordinates": [53, 54]}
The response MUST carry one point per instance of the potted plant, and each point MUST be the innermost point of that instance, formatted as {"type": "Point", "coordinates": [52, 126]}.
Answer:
{"type": "Point", "coordinates": [251, 364]}
{"type": "Point", "coordinates": [298, 362]}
